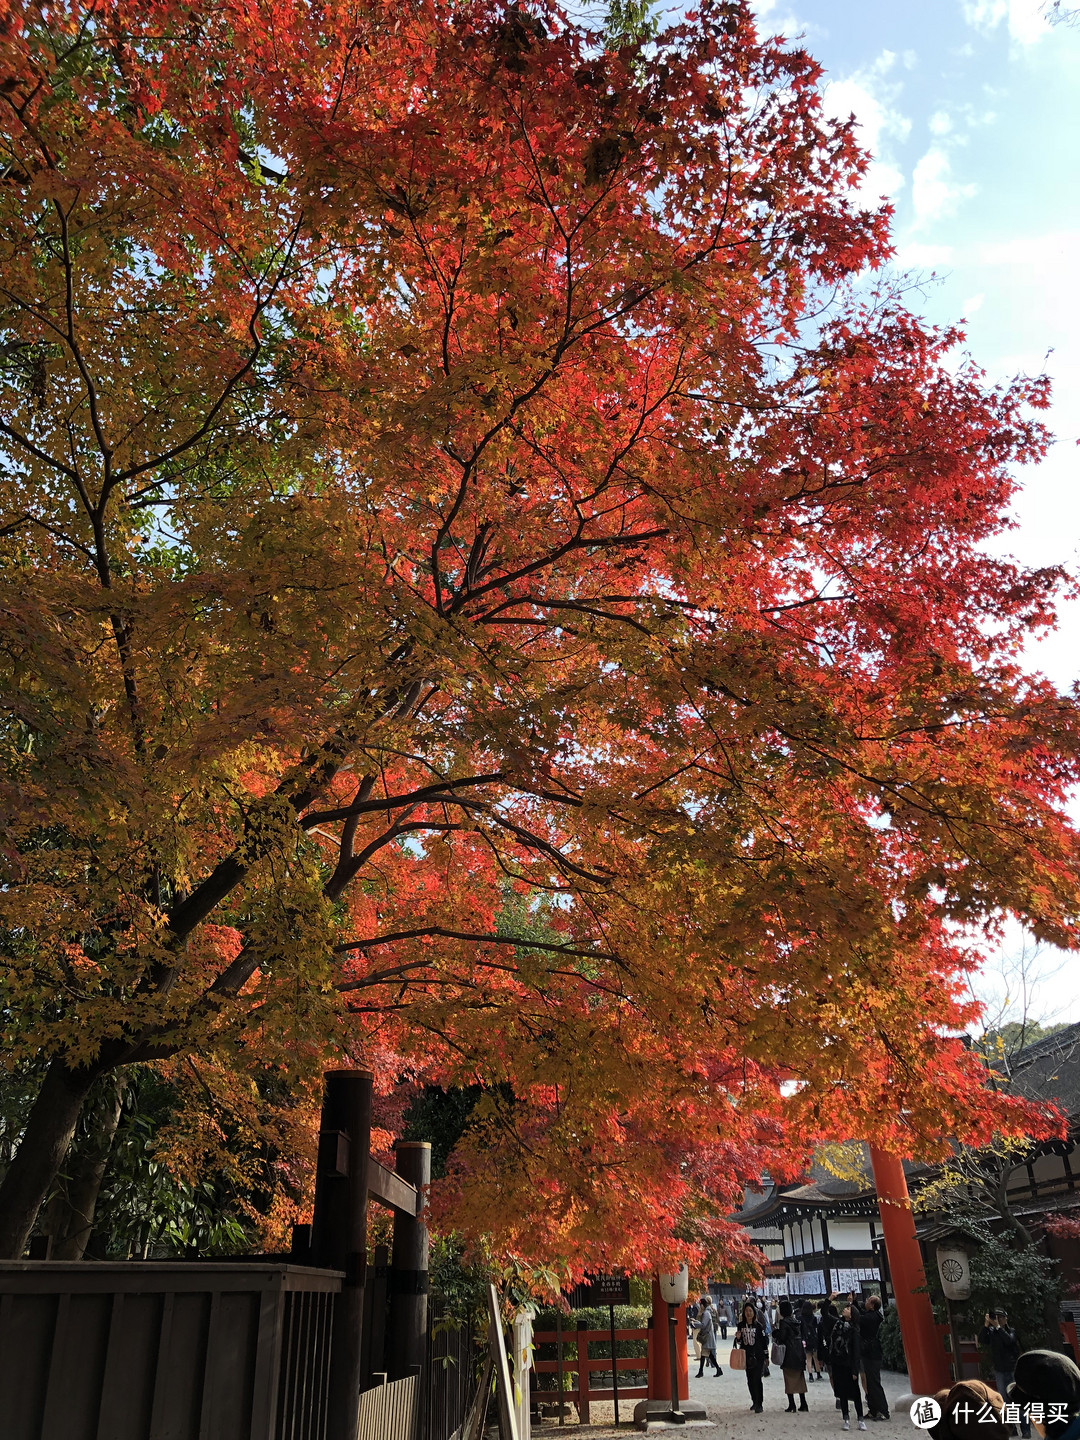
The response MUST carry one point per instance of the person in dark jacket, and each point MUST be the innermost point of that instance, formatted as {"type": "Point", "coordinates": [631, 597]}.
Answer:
{"type": "Point", "coordinates": [845, 1361]}
{"type": "Point", "coordinates": [870, 1323]}
{"type": "Point", "coordinates": [825, 1329]}
{"type": "Point", "coordinates": [788, 1333]}
{"type": "Point", "coordinates": [1000, 1339]}
{"type": "Point", "coordinates": [751, 1337]}
{"type": "Point", "coordinates": [706, 1334]}
{"type": "Point", "coordinates": [809, 1323]}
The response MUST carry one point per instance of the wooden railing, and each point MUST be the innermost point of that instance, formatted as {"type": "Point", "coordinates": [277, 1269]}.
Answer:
{"type": "Point", "coordinates": [575, 1358]}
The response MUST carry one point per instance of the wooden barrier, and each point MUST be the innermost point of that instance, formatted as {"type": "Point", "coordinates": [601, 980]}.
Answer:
{"type": "Point", "coordinates": [177, 1350]}
{"type": "Point", "coordinates": [575, 1356]}
{"type": "Point", "coordinates": [391, 1411]}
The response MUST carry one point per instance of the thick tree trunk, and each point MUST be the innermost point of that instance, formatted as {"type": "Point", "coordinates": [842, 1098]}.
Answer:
{"type": "Point", "coordinates": [41, 1153]}
{"type": "Point", "coordinates": [71, 1211]}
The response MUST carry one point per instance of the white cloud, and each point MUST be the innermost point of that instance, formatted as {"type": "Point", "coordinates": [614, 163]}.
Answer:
{"type": "Point", "coordinates": [934, 194]}
{"type": "Point", "coordinates": [914, 256]}
{"type": "Point", "coordinates": [777, 21]}
{"type": "Point", "coordinates": [973, 303]}
{"type": "Point", "coordinates": [1025, 19]}
{"type": "Point", "coordinates": [871, 97]}
{"type": "Point", "coordinates": [940, 123]}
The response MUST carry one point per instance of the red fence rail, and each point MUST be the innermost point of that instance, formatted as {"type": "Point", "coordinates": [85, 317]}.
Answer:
{"type": "Point", "coordinates": [576, 1357]}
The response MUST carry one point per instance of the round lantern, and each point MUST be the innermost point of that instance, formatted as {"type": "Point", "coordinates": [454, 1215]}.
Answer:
{"type": "Point", "coordinates": [675, 1288]}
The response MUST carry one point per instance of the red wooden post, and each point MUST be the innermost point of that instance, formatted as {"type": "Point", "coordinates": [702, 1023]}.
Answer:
{"type": "Point", "coordinates": [928, 1367]}
{"type": "Point", "coordinates": [659, 1364]}
{"type": "Point", "coordinates": [582, 1373]}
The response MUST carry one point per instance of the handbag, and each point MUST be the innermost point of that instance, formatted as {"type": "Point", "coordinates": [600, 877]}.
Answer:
{"type": "Point", "coordinates": [737, 1358]}
{"type": "Point", "coordinates": [777, 1353]}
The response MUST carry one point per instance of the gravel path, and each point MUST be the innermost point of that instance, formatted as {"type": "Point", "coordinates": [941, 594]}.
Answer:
{"type": "Point", "coordinates": [728, 1404]}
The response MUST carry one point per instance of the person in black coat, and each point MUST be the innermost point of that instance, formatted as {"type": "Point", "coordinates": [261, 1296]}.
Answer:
{"type": "Point", "coordinates": [870, 1323]}
{"type": "Point", "coordinates": [845, 1361]}
{"type": "Point", "coordinates": [809, 1323]}
{"type": "Point", "coordinates": [825, 1328]}
{"type": "Point", "coordinates": [788, 1333]}
{"type": "Point", "coordinates": [751, 1337]}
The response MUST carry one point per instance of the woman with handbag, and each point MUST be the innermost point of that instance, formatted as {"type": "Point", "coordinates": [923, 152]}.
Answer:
{"type": "Point", "coordinates": [750, 1346]}
{"type": "Point", "coordinates": [706, 1336]}
{"type": "Point", "coordinates": [788, 1341]}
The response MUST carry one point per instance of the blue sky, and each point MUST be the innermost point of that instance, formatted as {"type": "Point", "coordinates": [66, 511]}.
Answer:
{"type": "Point", "coordinates": [972, 111]}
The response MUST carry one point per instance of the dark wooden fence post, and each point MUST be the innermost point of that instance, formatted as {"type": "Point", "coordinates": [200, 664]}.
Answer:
{"type": "Point", "coordinates": [339, 1232]}
{"type": "Point", "coordinates": [407, 1329]}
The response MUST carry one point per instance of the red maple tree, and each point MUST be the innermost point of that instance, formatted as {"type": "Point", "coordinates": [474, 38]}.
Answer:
{"type": "Point", "coordinates": [494, 585]}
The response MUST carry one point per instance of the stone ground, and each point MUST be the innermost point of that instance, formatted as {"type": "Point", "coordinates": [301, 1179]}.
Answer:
{"type": "Point", "coordinates": [728, 1404]}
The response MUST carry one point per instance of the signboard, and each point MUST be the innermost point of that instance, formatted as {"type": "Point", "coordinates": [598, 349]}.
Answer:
{"type": "Point", "coordinates": [600, 1290]}
{"type": "Point", "coordinates": [845, 1280]}
{"type": "Point", "coordinates": [807, 1282]}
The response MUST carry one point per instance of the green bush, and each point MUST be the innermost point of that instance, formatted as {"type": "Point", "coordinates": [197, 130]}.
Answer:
{"type": "Point", "coordinates": [892, 1346]}
{"type": "Point", "coordinates": [1021, 1281]}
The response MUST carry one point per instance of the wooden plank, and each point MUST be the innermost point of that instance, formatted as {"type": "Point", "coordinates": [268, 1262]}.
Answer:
{"type": "Point", "coordinates": [268, 1349]}
{"type": "Point", "coordinates": [209, 1389]}
{"type": "Point", "coordinates": [112, 1381]}
{"type": "Point", "coordinates": [626, 1362]}
{"type": "Point", "coordinates": [53, 1421]}
{"type": "Point", "coordinates": [331, 1302]}
{"type": "Point", "coordinates": [549, 1337]}
{"type": "Point", "coordinates": [287, 1384]}
{"type": "Point", "coordinates": [392, 1190]}
{"type": "Point", "coordinates": [27, 1325]}
{"type": "Point", "coordinates": [141, 1277]}
{"type": "Point", "coordinates": [625, 1393]}
{"type": "Point", "coordinates": [159, 1405]}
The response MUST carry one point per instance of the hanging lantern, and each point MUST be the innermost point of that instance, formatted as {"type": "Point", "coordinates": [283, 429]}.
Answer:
{"type": "Point", "coordinates": [675, 1288]}
{"type": "Point", "coordinates": [954, 1271]}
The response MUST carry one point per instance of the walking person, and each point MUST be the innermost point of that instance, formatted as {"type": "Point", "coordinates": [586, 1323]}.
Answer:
{"type": "Point", "coordinates": [788, 1333]}
{"type": "Point", "coordinates": [1000, 1339]}
{"type": "Point", "coordinates": [809, 1323]}
{"type": "Point", "coordinates": [723, 1317]}
{"type": "Point", "coordinates": [706, 1336]}
{"type": "Point", "coordinates": [751, 1338]}
{"type": "Point", "coordinates": [870, 1323]}
{"type": "Point", "coordinates": [845, 1360]}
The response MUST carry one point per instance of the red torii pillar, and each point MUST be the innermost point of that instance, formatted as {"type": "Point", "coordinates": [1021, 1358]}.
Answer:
{"type": "Point", "coordinates": [928, 1366]}
{"type": "Point", "coordinates": [659, 1349]}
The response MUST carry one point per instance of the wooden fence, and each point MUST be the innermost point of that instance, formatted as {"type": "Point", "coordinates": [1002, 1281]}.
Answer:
{"type": "Point", "coordinates": [170, 1351]}
{"type": "Point", "coordinates": [391, 1411]}
{"type": "Point", "coordinates": [454, 1362]}
{"type": "Point", "coordinates": [577, 1360]}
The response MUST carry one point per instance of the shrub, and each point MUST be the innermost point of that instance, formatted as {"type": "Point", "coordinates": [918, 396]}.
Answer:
{"type": "Point", "coordinates": [892, 1345]}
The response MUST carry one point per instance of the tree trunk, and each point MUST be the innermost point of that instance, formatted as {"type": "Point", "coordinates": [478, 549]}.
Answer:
{"type": "Point", "coordinates": [41, 1153]}
{"type": "Point", "coordinates": [71, 1211]}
